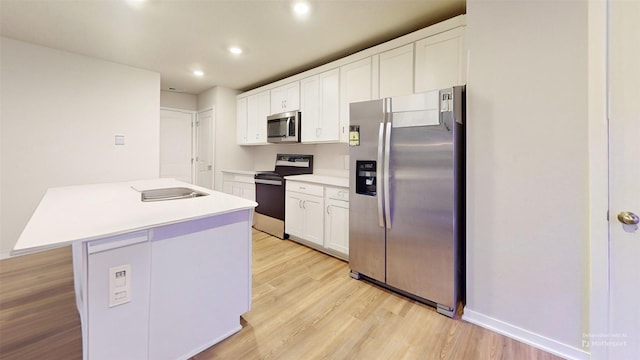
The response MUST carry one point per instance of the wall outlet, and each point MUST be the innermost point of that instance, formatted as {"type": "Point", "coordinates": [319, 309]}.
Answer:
{"type": "Point", "coordinates": [119, 285]}
{"type": "Point", "coordinates": [119, 139]}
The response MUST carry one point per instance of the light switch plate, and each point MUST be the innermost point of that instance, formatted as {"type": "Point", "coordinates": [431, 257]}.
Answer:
{"type": "Point", "coordinates": [119, 285]}
{"type": "Point", "coordinates": [119, 139]}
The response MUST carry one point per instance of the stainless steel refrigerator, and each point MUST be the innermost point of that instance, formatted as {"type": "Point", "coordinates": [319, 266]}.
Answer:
{"type": "Point", "coordinates": [406, 207]}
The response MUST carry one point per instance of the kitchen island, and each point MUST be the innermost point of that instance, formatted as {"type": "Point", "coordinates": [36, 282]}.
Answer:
{"type": "Point", "coordinates": [163, 278]}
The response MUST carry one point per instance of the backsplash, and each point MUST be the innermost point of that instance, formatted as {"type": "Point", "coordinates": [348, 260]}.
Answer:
{"type": "Point", "coordinates": [328, 159]}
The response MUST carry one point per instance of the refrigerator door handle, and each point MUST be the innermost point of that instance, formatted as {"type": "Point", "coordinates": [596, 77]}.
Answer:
{"type": "Point", "coordinates": [379, 174]}
{"type": "Point", "coordinates": [386, 188]}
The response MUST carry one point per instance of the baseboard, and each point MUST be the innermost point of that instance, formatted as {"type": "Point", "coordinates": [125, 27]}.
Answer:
{"type": "Point", "coordinates": [525, 336]}
{"type": "Point", "coordinates": [5, 255]}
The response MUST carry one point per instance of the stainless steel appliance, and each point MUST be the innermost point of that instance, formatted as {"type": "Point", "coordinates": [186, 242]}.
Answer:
{"type": "Point", "coordinates": [270, 191]}
{"type": "Point", "coordinates": [406, 210]}
{"type": "Point", "coordinates": [284, 127]}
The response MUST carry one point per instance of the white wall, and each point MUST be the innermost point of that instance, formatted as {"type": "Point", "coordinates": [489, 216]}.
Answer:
{"type": "Point", "coordinates": [60, 112]}
{"type": "Point", "coordinates": [227, 154]}
{"type": "Point", "coordinates": [527, 181]}
{"type": "Point", "coordinates": [175, 100]}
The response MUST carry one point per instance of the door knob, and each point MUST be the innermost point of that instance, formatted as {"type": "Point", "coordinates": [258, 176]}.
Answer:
{"type": "Point", "coordinates": [629, 218]}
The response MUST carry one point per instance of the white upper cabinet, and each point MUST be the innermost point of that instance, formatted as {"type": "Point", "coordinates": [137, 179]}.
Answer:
{"type": "Point", "coordinates": [440, 61]}
{"type": "Point", "coordinates": [251, 117]}
{"type": "Point", "coordinates": [319, 104]}
{"type": "Point", "coordinates": [241, 121]}
{"type": "Point", "coordinates": [396, 72]}
{"type": "Point", "coordinates": [355, 85]}
{"type": "Point", "coordinates": [258, 108]}
{"type": "Point", "coordinates": [285, 98]}
{"type": "Point", "coordinates": [428, 59]}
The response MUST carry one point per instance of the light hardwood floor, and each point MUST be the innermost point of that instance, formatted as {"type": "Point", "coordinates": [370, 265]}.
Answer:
{"type": "Point", "coordinates": [305, 306]}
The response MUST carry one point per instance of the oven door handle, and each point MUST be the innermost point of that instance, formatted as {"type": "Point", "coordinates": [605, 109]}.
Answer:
{"type": "Point", "coordinates": [268, 182]}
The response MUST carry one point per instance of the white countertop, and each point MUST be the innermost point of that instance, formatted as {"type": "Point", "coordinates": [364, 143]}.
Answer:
{"type": "Point", "coordinates": [241, 172]}
{"type": "Point", "coordinates": [88, 212]}
{"type": "Point", "coordinates": [321, 179]}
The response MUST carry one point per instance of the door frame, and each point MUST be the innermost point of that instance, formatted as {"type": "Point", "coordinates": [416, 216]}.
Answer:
{"type": "Point", "coordinates": [212, 137]}
{"type": "Point", "coordinates": [194, 149]}
{"type": "Point", "coordinates": [599, 182]}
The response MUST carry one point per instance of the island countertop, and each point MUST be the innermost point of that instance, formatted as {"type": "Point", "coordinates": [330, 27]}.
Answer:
{"type": "Point", "coordinates": [87, 212]}
{"type": "Point", "coordinates": [321, 179]}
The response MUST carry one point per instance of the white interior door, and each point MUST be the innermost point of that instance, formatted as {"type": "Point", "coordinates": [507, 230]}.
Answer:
{"type": "Point", "coordinates": [176, 145]}
{"type": "Point", "coordinates": [205, 127]}
{"type": "Point", "coordinates": [624, 179]}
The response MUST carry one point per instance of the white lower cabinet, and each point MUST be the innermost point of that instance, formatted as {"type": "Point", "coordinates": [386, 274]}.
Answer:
{"type": "Point", "coordinates": [318, 216]}
{"type": "Point", "coordinates": [240, 184]}
{"type": "Point", "coordinates": [304, 210]}
{"type": "Point", "coordinates": [336, 222]}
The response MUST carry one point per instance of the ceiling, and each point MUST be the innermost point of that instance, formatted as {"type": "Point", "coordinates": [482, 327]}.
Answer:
{"type": "Point", "coordinates": [176, 37]}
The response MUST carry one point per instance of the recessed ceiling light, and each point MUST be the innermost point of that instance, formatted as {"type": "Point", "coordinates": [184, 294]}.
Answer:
{"type": "Point", "coordinates": [301, 8]}
{"type": "Point", "coordinates": [235, 50]}
{"type": "Point", "coordinates": [198, 72]}
{"type": "Point", "coordinates": [135, 3]}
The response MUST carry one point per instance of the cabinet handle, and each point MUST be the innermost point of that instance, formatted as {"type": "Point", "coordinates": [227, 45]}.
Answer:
{"type": "Point", "coordinates": [328, 213]}
{"type": "Point", "coordinates": [304, 202]}
{"type": "Point", "coordinates": [300, 204]}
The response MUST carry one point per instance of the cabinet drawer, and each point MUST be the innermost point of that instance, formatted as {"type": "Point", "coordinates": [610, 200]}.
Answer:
{"type": "Point", "coordinates": [243, 179]}
{"type": "Point", "coordinates": [305, 188]}
{"type": "Point", "coordinates": [337, 193]}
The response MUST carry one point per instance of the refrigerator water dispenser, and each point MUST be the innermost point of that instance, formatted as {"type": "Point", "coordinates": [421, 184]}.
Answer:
{"type": "Point", "coordinates": [366, 178]}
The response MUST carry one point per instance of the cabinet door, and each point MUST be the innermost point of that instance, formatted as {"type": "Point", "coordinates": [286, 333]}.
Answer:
{"type": "Point", "coordinates": [310, 107]}
{"type": "Point", "coordinates": [258, 108]}
{"type": "Point", "coordinates": [313, 223]}
{"type": "Point", "coordinates": [328, 122]}
{"type": "Point", "coordinates": [241, 121]}
{"type": "Point", "coordinates": [396, 72]}
{"type": "Point", "coordinates": [277, 100]}
{"type": "Point", "coordinates": [337, 226]}
{"type": "Point", "coordinates": [293, 214]}
{"type": "Point", "coordinates": [355, 85]}
{"type": "Point", "coordinates": [319, 99]}
{"type": "Point", "coordinates": [440, 61]}
{"type": "Point", "coordinates": [292, 99]}
{"type": "Point", "coordinates": [285, 98]}
{"type": "Point", "coordinates": [252, 115]}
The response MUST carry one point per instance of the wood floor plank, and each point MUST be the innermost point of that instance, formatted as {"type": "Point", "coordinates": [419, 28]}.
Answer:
{"type": "Point", "coordinates": [305, 306]}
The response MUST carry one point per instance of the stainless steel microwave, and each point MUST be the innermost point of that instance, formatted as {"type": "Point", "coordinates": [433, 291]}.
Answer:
{"type": "Point", "coordinates": [284, 127]}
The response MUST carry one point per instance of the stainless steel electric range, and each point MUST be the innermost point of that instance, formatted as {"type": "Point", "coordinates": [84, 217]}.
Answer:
{"type": "Point", "coordinates": [270, 191]}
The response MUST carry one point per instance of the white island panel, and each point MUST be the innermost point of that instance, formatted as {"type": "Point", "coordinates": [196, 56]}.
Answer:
{"type": "Point", "coordinates": [201, 284]}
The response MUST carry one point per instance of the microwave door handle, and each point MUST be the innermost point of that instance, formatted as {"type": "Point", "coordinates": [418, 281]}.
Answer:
{"type": "Point", "coordinates": [286, 131]}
